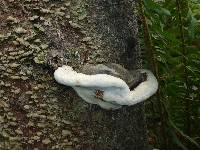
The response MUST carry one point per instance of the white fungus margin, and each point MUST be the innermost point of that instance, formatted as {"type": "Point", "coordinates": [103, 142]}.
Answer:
{"type": "Point", "coordinates": [107, 91]}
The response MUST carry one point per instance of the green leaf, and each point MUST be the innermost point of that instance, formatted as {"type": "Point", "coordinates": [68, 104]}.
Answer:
{"type": "Point", "coordinates": [165, 12]}
{"type": "Point", "coordinates": [192, 69]}
{"type": "Point", "coordinates": [177, 141]}
{"type": "Point", "coordinates": [184, 135]}
{"type": "Point", "coordinates": [193, 23]}
{"type": "Point", "coordinates": [150, 5]}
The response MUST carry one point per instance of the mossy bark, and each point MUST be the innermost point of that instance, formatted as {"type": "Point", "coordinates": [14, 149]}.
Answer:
{"type": "Point", "coordinates": [35, 111]}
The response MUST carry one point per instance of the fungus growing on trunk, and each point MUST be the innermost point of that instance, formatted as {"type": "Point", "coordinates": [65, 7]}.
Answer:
{"type": "Point", "coordinates": [103, 86]}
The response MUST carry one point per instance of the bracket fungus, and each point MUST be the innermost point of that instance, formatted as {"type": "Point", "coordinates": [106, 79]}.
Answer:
{"type": "Point", "coordinates": [109, 86]}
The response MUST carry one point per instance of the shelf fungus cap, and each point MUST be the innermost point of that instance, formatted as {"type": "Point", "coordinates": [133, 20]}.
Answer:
{"type": "Point", "coordinates": [105, 87]}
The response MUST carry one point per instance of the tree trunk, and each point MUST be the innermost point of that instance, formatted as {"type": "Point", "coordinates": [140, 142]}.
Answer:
{"type": "Point", "coordinates": [35, 111]}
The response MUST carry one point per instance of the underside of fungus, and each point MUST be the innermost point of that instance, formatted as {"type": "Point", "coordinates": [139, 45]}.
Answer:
{"type": "Point", "coordinates": [103, 88]}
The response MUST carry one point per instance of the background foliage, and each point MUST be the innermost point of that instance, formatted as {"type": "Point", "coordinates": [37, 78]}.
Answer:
{"type": "Point", "coordinates": [171, 37]}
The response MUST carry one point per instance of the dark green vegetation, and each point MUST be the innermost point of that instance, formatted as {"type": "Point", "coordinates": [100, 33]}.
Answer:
{"type": "Point", "coordinates": [171, 38]}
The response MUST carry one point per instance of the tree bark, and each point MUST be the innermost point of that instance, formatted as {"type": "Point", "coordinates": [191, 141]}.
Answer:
{"type": "Point", "coordinates": [35, 111]}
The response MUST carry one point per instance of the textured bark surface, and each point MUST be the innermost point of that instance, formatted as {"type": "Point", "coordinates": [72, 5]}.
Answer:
{"type": "Point", "coordinates": [35, 111]}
